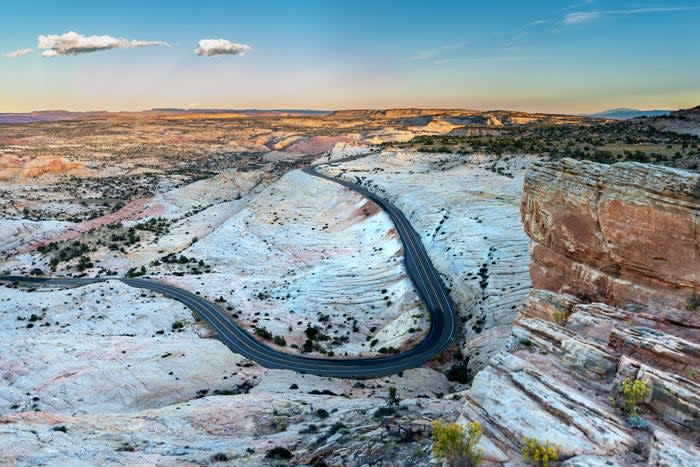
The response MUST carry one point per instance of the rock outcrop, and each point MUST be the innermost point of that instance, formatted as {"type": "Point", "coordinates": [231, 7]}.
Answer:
{"type": "Point", "coordinates": [680, 121]}
{"type": "Point", "coordinates": [624, 239]}
{"type": "Point", "coordinates": [626, 233]}
{"type": "Point", "coordinates": [12, 167]}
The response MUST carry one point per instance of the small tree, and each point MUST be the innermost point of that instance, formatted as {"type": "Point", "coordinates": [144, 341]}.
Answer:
{"type": "Point", "coordinates": [451, 445]}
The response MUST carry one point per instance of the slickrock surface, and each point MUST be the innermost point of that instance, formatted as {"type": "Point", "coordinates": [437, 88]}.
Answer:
{"type": "Point", "coordinates": [308, 252]}
{"type": "Point", "coordinates": [559, 379]}
{"type": "Point", "coordinates": [17, 168]}
{"type": "Point", "coordinates": [100, 377]}
{"type": "Point", "coordinates": [467, 214]}
{"type": "Point", "coordinates": [626, 233]}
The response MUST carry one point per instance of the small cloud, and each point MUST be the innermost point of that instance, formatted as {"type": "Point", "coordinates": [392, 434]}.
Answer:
{"type": "Point", "coordinates": [426, 54]}
{"type": "Point", "coordinates": [496, 59]}
{"type": "Point", "coordinates": [581, 17]}
{"type": "Point", "coordinates": [18, 53]}
{"type": "Point", "coordinates": [585, 16]}
{"type": "Point", "coordinates": [635, 11]}
{"type": "Point", "coordinates": [72, 43]}
{"type": "Point", "coordinates": [211, 47]}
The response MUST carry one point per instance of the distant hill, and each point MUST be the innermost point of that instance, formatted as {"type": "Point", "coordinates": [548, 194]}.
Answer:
{"type": "Point", "coordinates": [47, 116]}
{"type": "Point", "coordinates": [58, 115]}
{"type": "Point", "coordinates": [242, 111]}
{"type": "Point", "coordinates": [679, 121]}
{"type": "Point", "coordinates": [625, 114]}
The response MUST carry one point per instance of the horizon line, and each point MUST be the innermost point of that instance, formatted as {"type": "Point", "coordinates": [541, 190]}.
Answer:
{"type": "Point", "coordinates": [317, 110]}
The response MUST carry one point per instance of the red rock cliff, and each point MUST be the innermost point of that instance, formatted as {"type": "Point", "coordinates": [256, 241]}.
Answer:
{"type": "Point", "coordinates": [625, 233]}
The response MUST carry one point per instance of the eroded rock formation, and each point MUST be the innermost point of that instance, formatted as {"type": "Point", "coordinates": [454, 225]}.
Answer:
{"type": "Point", "coordinates": [624, 239]}
{"type": "Point", "coordinates": [626, 233]}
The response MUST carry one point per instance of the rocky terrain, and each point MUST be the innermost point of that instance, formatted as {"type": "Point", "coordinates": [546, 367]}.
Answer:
{"type": "Point", "coordinates": [214, 202]}
{"type": "Point", "coordinates": [589, 326]}
{"type": "Point", "coordinates": [625, 233]}
{"type": "Point", "coordinates": [466, 209]}
{"type": "Point", "coordinates": [679, 121]}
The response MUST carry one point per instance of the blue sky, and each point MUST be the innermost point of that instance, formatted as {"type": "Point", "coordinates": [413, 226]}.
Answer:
{"type": "Point", "coordinates": [538, 56]}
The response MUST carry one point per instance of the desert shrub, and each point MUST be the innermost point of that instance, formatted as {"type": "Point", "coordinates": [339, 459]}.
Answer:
{"type": "Point", "coordinates": [538, 453]}
{"type": "Point", "coordinates": [384, 412]}
{"type": "Point", "coordinates": [633, 391]}
{"type": "Point", "coordinates": [636, 422]}
{"type": "Point", "coordinates": [459, 373]}
{"type": "Point", "coordinates": [526, 342]}
{"type": "Point", "coordinates": [392, 398]}
{"type": "Point", "coordinates": [279, 340]}
{"type": "Point", "coordinates": [219, 457]}
{"type": "Point", "coordinates": [561, 317]}
{"type": "Point", "coordinates": [692, 303]}
{"type": "Point", "coordinates": [278, 453]}
{"type": "Point", "coordinates": [260, 331]}
{"type": "Point", "coordinates": [177, 325]}
{"type": "Point", "coordinates": [456, 449]}
{"type": "Point", "coordinates": [133, 272]}
{"type": "Point", "coordinates": [322, 413]}
{"type": "Point", "coordinates": [308, 345]}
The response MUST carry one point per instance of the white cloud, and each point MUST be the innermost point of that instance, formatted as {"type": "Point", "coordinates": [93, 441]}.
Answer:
{"type": "Point", "coordinates": [18, 53]}
{"type": "Point", "coordinates": [584, 16]}
{"type": "Point", "coordinates": [72, 43]}
{"type": "Point", "coordinates": [210, 47]}
{"type": "Point", "coordinates": [426, 54]}
{"type": "Point", "coordinates": [581, 17]}
{"type": "Point", "coordinates": [492, 59]}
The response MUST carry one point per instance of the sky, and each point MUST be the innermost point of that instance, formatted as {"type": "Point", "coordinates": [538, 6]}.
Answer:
{"type": "Point", "coordinates": [544, 56]}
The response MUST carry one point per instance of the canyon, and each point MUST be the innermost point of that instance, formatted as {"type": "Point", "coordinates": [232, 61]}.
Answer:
{"type": "Point", "coordinates": [568, 276]}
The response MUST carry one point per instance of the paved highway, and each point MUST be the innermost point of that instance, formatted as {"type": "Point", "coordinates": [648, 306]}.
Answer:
{"type": "Point", "coordinates": [443, 328]}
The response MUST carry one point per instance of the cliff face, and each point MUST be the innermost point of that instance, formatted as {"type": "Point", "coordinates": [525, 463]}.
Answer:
{"type": "Point", "coordinates": [624, 238]}
{"type": "Point", "coordinates": [626, 233]}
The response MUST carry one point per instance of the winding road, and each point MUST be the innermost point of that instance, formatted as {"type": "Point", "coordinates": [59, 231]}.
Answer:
{"type": "Point", "coordinates": [443, 324]}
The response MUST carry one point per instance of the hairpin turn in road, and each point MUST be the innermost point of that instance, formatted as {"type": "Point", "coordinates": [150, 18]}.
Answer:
{"type": "Point", "coordinates": [443, 320]}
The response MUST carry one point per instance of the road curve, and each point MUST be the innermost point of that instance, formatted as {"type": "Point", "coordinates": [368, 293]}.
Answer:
{"type": "Point", "coordinates": [443, 328]}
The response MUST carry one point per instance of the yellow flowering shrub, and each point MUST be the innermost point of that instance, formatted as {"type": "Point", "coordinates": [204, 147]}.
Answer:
{"type": "Point", "coordinates": [634, 391]}
{"type": "Point", "coordinates": [451, 444]}
{"type": "Point", "coordinates": [537, 453]}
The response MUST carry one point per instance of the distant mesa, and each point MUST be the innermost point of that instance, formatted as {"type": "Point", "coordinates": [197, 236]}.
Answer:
{"type": "Point", "coordinates": [61, 115]}
{"type": "Point", "coordinates": [625, 114]}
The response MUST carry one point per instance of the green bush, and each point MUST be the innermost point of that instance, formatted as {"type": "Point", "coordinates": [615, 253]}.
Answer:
{"type": "Point", "coordinates": [279, 340]}
{"type": "Point", "coordinates": [260, 331]}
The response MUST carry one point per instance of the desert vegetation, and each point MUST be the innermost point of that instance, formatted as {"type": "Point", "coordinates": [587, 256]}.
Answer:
{"type": "Point", "coordinates": [607, 143]}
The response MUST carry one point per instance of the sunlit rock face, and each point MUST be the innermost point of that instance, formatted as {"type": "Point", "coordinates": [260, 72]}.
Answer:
{"type": "Point", "coordinates": [625, 233]}
{"type": "Point", "coordinates": [611, 235]}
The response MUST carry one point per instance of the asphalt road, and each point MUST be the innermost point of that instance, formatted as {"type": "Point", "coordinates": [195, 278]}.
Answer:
{"type": "Point", "coordinates": [443, 329]}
